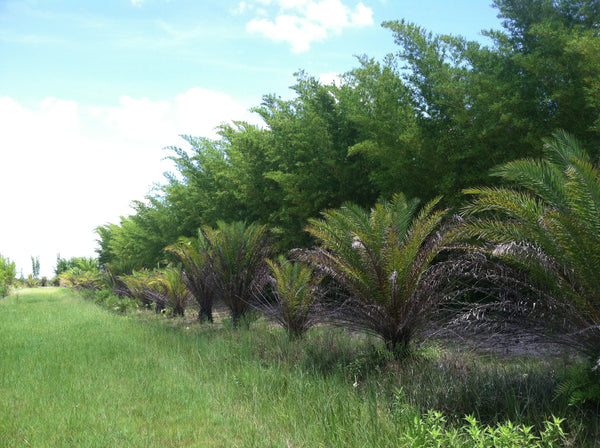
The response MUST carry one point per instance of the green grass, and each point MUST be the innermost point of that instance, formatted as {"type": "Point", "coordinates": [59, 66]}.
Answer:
{"type": "Point", "coordinates": [76, 375]}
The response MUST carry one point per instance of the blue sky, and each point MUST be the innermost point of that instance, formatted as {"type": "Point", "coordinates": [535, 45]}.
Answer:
{"type": "Point", "coordinates": [91, 91]}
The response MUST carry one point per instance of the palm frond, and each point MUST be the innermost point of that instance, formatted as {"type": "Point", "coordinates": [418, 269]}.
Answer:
{"type": "Point", "coordinates": [377, 258]}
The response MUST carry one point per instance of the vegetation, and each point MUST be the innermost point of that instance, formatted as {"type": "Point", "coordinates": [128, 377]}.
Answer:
{"type": "Point", "coordinates": [379, 258]}
{"type": "Point", "coordinates": [8, 271]}
{"type": "Point", "coordinates": [194, 253]}
{"type": "Point", "coordinates": [296, 293]}
{"type": "Point", "coordinates": [167, 290]}
{"type": "Point", "coordinates": [237, 255]}
{"type": "Point", "coordinates": [549, 227]}
{"type": "Point", "coordinates": [78, 272]}
{"type": "Point", "coordinates": [150, 382]}
{"type": "Point", "coordinates": [322, 181]}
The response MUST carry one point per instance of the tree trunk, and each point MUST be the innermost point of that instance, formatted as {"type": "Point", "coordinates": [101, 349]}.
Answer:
{"type": "Point", "coordinates": [205, 313]}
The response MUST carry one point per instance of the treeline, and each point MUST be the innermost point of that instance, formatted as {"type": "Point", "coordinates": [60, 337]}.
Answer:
{"type": "Point", "coordinates": [430, 119]}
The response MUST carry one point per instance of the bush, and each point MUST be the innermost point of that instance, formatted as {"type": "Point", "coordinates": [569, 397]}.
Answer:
{"type": "Point", "coordinates": [295, 288]}
{"type": "Point", "coordinates": [8, 271]}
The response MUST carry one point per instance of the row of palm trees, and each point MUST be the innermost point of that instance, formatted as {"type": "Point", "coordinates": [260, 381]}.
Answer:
{"type": "Point", "coordinates": [528, 253]}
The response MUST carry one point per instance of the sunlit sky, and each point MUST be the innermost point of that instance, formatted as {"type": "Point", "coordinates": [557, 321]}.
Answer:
{"type": "Point", "coordinates": [92, 91]}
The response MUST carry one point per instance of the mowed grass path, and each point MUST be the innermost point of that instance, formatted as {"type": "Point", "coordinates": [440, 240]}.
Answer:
{"type": "Point", "coordinates": [75, 375]}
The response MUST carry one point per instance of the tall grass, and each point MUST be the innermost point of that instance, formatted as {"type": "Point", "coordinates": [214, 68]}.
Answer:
{"type": "Point", "coordinates": [76, 375]}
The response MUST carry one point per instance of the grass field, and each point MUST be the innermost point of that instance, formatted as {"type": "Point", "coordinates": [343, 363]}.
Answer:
{"type": "Point", "coordinates": [76, 375]}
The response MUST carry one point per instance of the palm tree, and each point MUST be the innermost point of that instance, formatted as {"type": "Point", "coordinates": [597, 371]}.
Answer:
{"type": "Point", "coordinates": [549, 226]}
{"type": "Point", "coordinates": [379, 259]}
{"type": "Point", "coordinates": [168, 289]}
{"type": "Point", "coordinates": [165, 288]}
{"type": "Point", "coordinates": [296, 288]}
{"type": "Point", "coordinates": [236, 257]}
{"type": "Point", "coordinates": [194, 256]}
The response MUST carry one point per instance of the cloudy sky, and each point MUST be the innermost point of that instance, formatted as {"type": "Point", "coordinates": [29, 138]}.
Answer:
{"type": "Point", "coordinates": [92, 91]}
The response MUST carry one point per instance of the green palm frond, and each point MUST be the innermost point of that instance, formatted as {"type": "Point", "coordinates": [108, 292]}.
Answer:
{"type": "Point", "coordinates": [543, 179]}
{"type": "Point", "coordinates": [378, 258]}
{"type": "Point", "coordinates": [562, 148]}
{"type": "Point", "coordinates": [553, 223]}
{"type": "Point", "coordinates": [296, 288]}
{"type": "Point", "coordinates": [236, 256]}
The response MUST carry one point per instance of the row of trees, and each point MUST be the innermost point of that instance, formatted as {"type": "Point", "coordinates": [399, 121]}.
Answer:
{"type": "Point", "coordinates": [430, 119]}
{"type": "Point", "coordinates": [524, 257]}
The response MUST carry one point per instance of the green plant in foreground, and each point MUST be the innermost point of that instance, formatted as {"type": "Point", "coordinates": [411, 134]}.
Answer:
{"type": "Point", "coordinates": [379, 258]}
{"type": "Point", "coordinates": [549, 227]}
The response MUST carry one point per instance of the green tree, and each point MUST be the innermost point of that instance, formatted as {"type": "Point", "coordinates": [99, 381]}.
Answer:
{"type": "Point", "coordinates": [549, 226]}
{"type": "Point", "coordinates": [296, 289]}
{"type": "Point", "coordinates": [35, 267]}
{"type": "Point", "coordinates": [380, 258]}
{"type": "Point", "coordinates": [310, 138]}
{"type": "Point", "coordinates": [194, 255]}
{"type": "Point", "coordinates": [237, 254]}
{"type": "Point", "coordinates": [379, 105]}
{"type": "Point", "coordinates": [8, 271]}
{"type": "Point", "coordinates": [478, 106]}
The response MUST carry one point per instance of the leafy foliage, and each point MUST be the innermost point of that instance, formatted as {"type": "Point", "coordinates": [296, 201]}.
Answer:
{"type": "Point", "coordinates": [79, 272]}
{"type": "Point", "coordinates": [549, 226]}
{"type": "Point", "coordinates": [379, 259]}
{"type": "Point", "coordinates": [295, 288]}
{"type": "Point", "coordinates": [194, 255]}
{"type": "Point", "coordinates": [236, 254]}
{"type": "Point", "coordinates": [8, 270]}
{"type": "Point", "coordinates": [165, 288]}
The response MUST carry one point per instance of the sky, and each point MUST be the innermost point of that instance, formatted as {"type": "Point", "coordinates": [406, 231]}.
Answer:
{"type": "Point", "coordinates": [93, 91]}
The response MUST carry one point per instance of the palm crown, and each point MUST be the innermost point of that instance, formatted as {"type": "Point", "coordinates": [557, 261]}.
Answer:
{"type": "Point", "coordinates": [549, 226]}
{"type": "Point", "coordinates": [378, 258]}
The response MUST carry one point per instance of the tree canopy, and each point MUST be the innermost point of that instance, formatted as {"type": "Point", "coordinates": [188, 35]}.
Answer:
{"type": "Point", "coordinates": [430, 119]}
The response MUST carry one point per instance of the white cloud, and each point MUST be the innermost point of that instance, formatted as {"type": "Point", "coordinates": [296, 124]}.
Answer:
{"type": "Point", "coordinates": [68, 168]}
{"type": "Point", "coordinates": [333, 78]}
{"type": "Point", "coordinates": [137, 2]}
{"type": "Point", "coordinates": [299, 32]}
{"type": "Point", "coordinates": [302, 22]}
{"type": "Point", "coordinates": [363, 16]}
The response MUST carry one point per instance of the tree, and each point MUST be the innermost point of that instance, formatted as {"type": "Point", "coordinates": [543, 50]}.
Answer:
{"type": "Point", "coordinates": [236, 255]}
{"type": "Point", "coordinates": [8, 271]}
{"type": "Point", "coordinates": [35, 267]}
{"type": "Point", "coordinates": [194, 255]}
{"type": "Point", "coordinates": [379, 259]}
{"type": "Point", "coordinates": [296, 289]}
{"type": "Point", "coordinates": [310, 138]}
{"type": "Point", "coordinates": [378, 104]}
{"type": "Point", "coordinates": [549, 226]}
{"type": "Point", "coordinates": [477, 106]}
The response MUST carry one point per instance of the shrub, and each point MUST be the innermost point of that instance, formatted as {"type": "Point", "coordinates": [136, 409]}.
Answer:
{"type": "Point", "coordinates": [379, 259]}
{"type": "Point", "coordinates": [295, 287]}
{"type": "Point", "coordinates": [236, 255]}
{"type": "Point", "coordinates": [194, 254]}
{"type": "Point", "coordinates": [549, 227]}
{"type": "Point", "coordinates": [8, 270]}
